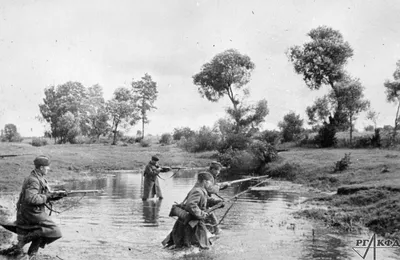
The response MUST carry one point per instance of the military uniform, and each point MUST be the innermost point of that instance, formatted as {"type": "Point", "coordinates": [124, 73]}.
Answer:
{"type": "Point", "coordinates": [151, 185]}
{"type": "Point", "coordinates": [195, 231]}
{"type": "Point", "coordinates": [33, 224]}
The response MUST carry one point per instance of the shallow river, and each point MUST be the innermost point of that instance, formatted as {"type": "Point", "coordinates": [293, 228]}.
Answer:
{"type": "Point", "coordinates": [119, 225]}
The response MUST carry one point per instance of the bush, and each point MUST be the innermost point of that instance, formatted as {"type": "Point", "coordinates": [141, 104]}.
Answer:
{"type": "Point", "coordinates": [205, 140]}
{"type": "Point", "coordinates": [183, 132]}
{"type": "Point", "coordinates": [271, 137]}
{"type": "Point", "coordinates": [234, 141]}
{"type": "Point", "coordinates": [239, 161]}
{"type": "Point", "coordinates": [39, 142]}
{"type": "Point", "coordinates": [343, 164]}
{"type": "Point", "coordinates": [326, 136]}
{"type": "Point", "coordinates": [308, 141]}
{"type": "Point", "coordinates": [80, 139]}
{"type": "Point", "coordinates": [287, 171]}
{"type": "Point", "coordinates": [166, 139]}
{"type": "Point", "coordinates": [249, 160]}
{"type": "Point", "coordinates": [145, 143]}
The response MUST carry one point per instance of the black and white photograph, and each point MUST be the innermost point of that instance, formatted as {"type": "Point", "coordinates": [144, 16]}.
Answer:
{"type": "Point", "coordinates": [199, 130]}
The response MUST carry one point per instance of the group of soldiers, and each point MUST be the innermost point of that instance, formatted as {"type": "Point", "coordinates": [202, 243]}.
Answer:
{"type": "Point", "coordinates": [33, 225]}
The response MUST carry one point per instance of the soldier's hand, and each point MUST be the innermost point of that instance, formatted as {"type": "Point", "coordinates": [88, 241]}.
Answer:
{"type": "Point", "coordinates": [224, 185]}
{"type": "Point", "coordinates": [56, 195]}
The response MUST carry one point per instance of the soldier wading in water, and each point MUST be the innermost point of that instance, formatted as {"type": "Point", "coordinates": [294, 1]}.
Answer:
{"type": "Point", "coordinates": [190, 227]}
{"type": "Point", "coordinates": [33, 224]}
{"type": "Point", "coordinates": [151, 185]}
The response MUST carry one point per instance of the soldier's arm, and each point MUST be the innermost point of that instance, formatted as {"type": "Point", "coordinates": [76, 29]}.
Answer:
{"type": "Point", "coordinates": [193, 205]}
{"type": "Point", "coordinates": [32, 194]}
{"type": "Point", "coordinates": [151, 171]}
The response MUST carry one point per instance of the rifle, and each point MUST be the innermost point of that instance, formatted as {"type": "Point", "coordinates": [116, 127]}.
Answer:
{"type": "Point", "coordinates": [248, 179]}
{"type": "Point", "coordinates": [221, 204]}
{"type": "Point", "coordinates": [68, 193]}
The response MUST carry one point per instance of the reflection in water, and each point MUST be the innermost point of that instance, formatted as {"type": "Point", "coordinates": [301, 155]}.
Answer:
{"type": "Point", "coordinates": [119, 225]}
{"type": "Point", "coordinates": [151, 209]}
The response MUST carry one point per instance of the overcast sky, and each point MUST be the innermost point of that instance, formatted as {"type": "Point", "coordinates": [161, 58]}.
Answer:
{"type": "Point", "coordinates": [50, 42]}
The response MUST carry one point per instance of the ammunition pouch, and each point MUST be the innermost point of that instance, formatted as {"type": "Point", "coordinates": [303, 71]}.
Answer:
{"type": "Point", "coordinates": [178, 211]}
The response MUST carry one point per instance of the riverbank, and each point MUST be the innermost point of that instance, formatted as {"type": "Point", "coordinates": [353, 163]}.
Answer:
{"type": "Point", "coordinates": [366, 194]}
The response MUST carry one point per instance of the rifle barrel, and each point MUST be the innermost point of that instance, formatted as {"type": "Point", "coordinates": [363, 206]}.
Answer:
{"type": "Point", "coordinates": [84, 191]}
{"type": "Point", "coordinates": [248, 179]}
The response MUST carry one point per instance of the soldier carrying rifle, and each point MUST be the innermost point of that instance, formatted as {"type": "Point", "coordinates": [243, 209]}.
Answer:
{"type": "Point", "coordinates": [33, 224]}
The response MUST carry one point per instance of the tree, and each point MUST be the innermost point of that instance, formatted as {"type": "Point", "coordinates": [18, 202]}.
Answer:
{"type": "Point", "coordinates": [11, 134]}
{"type": "Point", "coordinates": [121, 109]}
{"type": "Point", "coordinates": [373, 116]}
{"type": "Point", "coordinates": [68, 97]}
{"type": "Point", "coordinates": [351, 96]}
{"type": "Point", "coordinates": [291, 126]}
{"type": "Point", "coordinates": [321, 62]}
{"type": "Point", "coordinates": [393, 95]}
{"type": "Point", "coordinates": [227, 72]}
{"type": "Point", "coordinates": [68, 127]}
{"type": "Point", "coordinates": [97, 114]}
{"type": "Point", "coordinates": [145, 93]}
{"type": "Point", "coordinates": [319, 111]}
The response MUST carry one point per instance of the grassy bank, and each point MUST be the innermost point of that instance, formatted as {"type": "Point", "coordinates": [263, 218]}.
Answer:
{"type": "Point", "coordinates": [368, 190]}
{"type": "Point", "coordinates": [80, 161]}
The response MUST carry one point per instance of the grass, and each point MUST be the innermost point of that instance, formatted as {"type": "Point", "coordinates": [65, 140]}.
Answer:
{"type": "Point", "coordinates": [371, 182]}
{"type": "Point", "coordinates": [76, 161]}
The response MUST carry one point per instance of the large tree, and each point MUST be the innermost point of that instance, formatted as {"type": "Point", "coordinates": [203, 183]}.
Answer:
{"type": "Point", "coordinates": [351, 96]}
{"type": "Point", "coordinates": [227, 75]}
{"type": "Point", "coordinates": [122, 110]}
{"type": "Point", "coordinates": [392, 90]}
{"type": "Point", "coordinates": [69, 97]}
{"type": "Point", "coordinates": [97, 114]}
{"type": "Point", "coordinates": [291, 126]}
{"type": "Point", "coordinates": [10, 133]}
{"type": "Point", "coordinates": [321, 61]}
{"type": "Point", "coordinates": [145, 94]}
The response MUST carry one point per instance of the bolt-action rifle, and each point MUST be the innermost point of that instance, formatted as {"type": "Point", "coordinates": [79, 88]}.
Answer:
{"type": "Point", "coordinates": [248, 179]}
{"type": "Point", "coordinates": [72, 192]}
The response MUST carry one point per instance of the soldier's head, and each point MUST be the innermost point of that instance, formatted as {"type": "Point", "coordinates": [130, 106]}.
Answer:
{"type": "Point", "coordinates": [205, 179]}
{"type": "Point", "coordinates": [215, 168]}
{"type": "Point", "coordinates": [42, 164]}
{"type": "Point", "coordinates": [154, 159]}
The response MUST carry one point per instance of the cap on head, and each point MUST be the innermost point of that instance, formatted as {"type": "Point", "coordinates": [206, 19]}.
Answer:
{"type": "Point", "coordinates": [155, 158]}
{"type": "Point", "coordinates": [204, 176]}
{"type": "Point", "coordinates": [41, 161]}
{"type": "Point", "coordinates": [215, 165]}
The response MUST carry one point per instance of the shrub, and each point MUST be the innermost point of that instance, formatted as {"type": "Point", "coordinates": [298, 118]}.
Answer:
{"type": "Point", "coordinates": [326, 136]}
{"type": "Point", "coordinates": [204, 140]}
{"type": "Point", "coordinates": [286, 171]}
{"type": "Point", "coordinates": [251, 159]}
{"type": "Point", "coordinates": [145, 143]}
{"type": "Point", "coordinates": [183, 132]}
{"type": "Point", "coordinates": [270, 136]}
{"type": "Point", "coordinates": [343, 163]}
{"type": "Point", "coordinates": [80, 139]}
{"type": "Point", "coordinates": [239, 161]}
{"type": "Point", "coordinates": [166, 139]}
{"type": "Point", "coordinates": [39, 142]}
{"type": "Point", "coordinates": [234, 141]}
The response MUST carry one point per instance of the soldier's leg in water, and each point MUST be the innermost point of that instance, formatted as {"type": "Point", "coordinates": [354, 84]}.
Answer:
{"type": "Point", "coordinates": [34, 247]}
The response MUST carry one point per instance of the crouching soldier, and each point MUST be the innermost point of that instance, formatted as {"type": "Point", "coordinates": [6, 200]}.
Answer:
{"type": "Point", "coordinates": [215, 169]}
{"type": "Point", "coordinates": [190, 228]}
{"type": "Point", "coordinates": [33, 224]}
